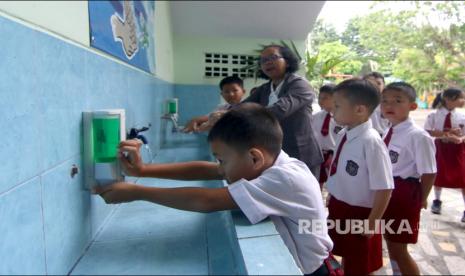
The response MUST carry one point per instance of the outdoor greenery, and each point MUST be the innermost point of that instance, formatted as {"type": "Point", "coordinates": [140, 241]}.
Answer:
{"type": "Point", "coordinates": [424, 46]}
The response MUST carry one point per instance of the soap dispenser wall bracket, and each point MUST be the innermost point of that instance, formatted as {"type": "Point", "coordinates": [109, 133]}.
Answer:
{"type": "Point", "coordinates": [103, 130]}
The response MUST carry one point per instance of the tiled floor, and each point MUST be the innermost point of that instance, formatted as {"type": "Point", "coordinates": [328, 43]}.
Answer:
{"type": "Point", "coordinates": [441, 244]}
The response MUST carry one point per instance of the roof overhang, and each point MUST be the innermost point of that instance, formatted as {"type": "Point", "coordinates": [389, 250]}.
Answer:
{"type": "Point", "coordinates": [255, 19]}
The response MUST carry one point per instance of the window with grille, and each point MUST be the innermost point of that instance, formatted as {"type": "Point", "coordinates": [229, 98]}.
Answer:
{"type": "Point", "coordinates": [223, 65]}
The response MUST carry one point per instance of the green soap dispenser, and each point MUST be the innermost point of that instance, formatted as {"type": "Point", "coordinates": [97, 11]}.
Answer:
{"type": "Point", "coordinates": [106, 137]}
{"type": "Point", "coordinates": [172, 106]}
{"type": "Point", "coordinates": [103, 131]}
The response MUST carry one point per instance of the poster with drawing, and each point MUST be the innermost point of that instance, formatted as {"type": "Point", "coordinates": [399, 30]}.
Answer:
{"type": "Point", "coordinates": [124, 29]}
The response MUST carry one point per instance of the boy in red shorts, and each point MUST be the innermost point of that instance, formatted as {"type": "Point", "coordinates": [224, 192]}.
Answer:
{"type": "Point", "coordinates": [412, 154]}
{"type": "Point", "coordinates": [360, 181]}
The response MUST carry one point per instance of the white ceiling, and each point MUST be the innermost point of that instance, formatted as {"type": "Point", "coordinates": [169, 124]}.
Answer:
{"type": "Point", "coordinates": [257, 19]}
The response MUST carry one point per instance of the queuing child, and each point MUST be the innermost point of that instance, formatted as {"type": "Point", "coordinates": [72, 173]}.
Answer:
{"type": "Point", "coordinates": [412, 154]}
{"type": "Point", "coordinates": [380, 123]}
{"type": "Point", "coordinates": [325, 129]}
{"type": "Point", "coordinates": [264, 182]}
{"type": "Point", "coordinates": [232, 91]}
{"type": "Point", "coordinates": [360, 181]}
{"type": "Point", "coordinates": [448, 127]}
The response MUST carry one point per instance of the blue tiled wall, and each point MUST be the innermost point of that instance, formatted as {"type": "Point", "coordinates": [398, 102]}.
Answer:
{"type": "Point", "coordinates": [189, 97]}
{"type": "Point", "coordinates": [22, 246]}
{"type": "Point", "coordinates": [46, 217]}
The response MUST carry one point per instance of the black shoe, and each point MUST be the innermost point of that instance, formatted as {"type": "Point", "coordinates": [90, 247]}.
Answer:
{"type": "Point", "coordinates": [436, 207]}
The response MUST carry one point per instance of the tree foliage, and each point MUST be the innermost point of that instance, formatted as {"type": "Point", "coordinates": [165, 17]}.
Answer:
{"type": "Point", "coordinates": [322, 33]}
{"type": "Point", "coordinates": [424, 45]}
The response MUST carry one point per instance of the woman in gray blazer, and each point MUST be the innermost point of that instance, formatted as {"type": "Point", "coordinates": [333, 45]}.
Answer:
{"type": "Point", "coordinates": [289, 97]}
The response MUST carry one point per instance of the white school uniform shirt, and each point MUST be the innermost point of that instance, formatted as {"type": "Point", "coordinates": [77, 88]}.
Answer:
{"type": "Point", "coordinates": [288, 192]}
{"type": "Point", "coordinates": [380, 124]}
{"type": "Point", "coordinates": [411, 150]}
{"type": "Point", "coordinates": [222, 107]}
{"type": "Point", "coordinates": [273, 98]}
{"type": "Point", "coordinates": [435, 121]}
{"type": "Point", "coordinates": [327, 142]}
{"type": "Point", "coordinates": [363, 167]}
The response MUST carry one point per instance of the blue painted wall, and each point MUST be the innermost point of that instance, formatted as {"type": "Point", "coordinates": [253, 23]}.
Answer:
{"type": "Point", "coordinates": [196, 100]}
{"type": "Point", "coordinates": [46, 217]}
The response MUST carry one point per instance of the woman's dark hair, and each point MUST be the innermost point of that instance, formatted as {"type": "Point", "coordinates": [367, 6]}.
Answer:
{"type": "Point", "coordinates": [291, 60]}
{"type": "Point", "coordinates": [450, 93]}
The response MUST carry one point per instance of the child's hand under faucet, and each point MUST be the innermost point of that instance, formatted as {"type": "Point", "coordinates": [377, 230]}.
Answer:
{"type": "Point", "coordinates": [194, 124]}
{"type": "Point", "coordinates": [212, 119]}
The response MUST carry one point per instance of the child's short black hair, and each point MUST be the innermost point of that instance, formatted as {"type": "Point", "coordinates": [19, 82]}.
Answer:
{"type": "Point", "coordinates": [403, 87]}
{"type": "Point", "coordinates": [376, 75]}
{"type": "Point", "coordinates": [327, 88]}
{"type": "Point", "coordinates": [359, 92]}
{"type": "Point", "coordinates": [230, 80]}
{"type": "Point", "coordinates": [291, 60]}
{"type": "Point", "coordinates": [246, 126]}
{"type": "Point", "coordinates": [450, 93]}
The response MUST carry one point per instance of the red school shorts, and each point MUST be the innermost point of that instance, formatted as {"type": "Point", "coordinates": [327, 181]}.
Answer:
{"type": "Point", "coordinates": [405, 204]}
{"type": "Point", "coordinates": [361, 255]}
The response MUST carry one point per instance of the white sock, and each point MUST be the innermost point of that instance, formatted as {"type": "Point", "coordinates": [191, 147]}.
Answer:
{"type": "Point", "coordinates": [395, 268]}
{"type": "Point", "coordinates": [437, 192]}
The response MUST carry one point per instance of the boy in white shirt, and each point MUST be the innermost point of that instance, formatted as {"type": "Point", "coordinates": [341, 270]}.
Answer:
{"type": "Point", "coordinates": [412, 154]}
{"type": "Point", "coordinates": [380, 123]}
{"type": "Point", "coordinates": [264, 182]}
{"type": "Point", "coordinates": [360, 181]}
{"type": "Point", "coordinates": [325, 129]}
{"type": "Point", "coordinates": [232, 91]}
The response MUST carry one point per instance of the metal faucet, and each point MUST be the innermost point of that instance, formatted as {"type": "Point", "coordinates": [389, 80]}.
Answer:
{"type": "Point", "coordinates": [174, 119]}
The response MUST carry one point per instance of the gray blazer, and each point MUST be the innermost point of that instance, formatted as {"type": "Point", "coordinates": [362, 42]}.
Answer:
{"type": "Point", "coordinates": [294, 112]}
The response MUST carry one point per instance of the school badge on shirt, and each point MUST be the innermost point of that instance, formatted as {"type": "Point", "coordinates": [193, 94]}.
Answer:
{"type": "Point", "coordinates": [352, 168]}
{"type": "Point", "coordinates": [394, 156]}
